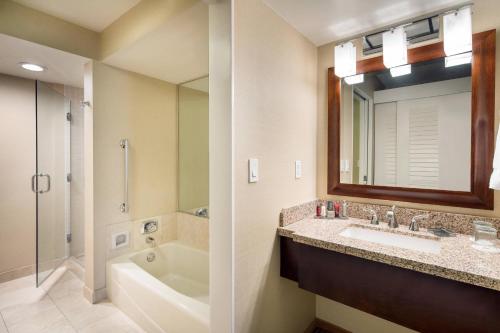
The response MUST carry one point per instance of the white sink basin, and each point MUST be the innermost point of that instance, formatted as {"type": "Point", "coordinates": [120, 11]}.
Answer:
{"type": "Point", "coordinates": [393, 239]}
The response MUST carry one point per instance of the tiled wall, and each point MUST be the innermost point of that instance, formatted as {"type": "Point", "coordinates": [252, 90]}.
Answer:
{"type": "Point", "coordinates": [188, 229]}
{"type": "Point", "coordinates": [460, 223]}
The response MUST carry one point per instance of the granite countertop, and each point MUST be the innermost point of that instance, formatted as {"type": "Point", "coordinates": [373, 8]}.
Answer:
{"type": "Point", "coordinates": [456, 260]}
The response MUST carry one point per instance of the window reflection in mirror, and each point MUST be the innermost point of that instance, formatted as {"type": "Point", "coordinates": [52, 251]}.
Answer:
{"type": "Point", "coordinates": [410, 131]}
{"type": "Point", "coordinates": [193, 147]}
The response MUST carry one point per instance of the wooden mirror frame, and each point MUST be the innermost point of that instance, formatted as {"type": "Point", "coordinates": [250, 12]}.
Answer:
{"type": "Point", "coordinates": [482, 134]}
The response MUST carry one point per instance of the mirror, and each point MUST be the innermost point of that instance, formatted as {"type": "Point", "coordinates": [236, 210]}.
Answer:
{"type": "Point", "coordinates": [193, 147]}
{"type": "Point", "coordinates": [425, 137]}
{"type": "Point", "coordinates": [411, 131]}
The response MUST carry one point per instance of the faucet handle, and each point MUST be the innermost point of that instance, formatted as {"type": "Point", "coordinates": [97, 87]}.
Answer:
{"type": "Point", "coordinates": [420, 217]}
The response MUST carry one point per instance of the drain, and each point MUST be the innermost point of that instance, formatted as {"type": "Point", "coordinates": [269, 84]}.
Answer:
{"type": "Point", "coordinates": [151, 257]}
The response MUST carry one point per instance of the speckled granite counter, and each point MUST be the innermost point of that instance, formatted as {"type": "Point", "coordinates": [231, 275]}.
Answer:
{"type": "Point", "coordinates": [457, 260]}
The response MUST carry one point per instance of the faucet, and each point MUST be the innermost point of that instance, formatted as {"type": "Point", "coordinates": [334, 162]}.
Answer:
{"type": "Point", "coordinates": [391, 217]}
{"type": "Point", "coordinates": [150, 240]}
{"type": "Point", "coordinates": [201, 212]}
{"type": "Point", "coordinates": [373, 216]}
{"type": "Point", "coordinates": [414, 221]}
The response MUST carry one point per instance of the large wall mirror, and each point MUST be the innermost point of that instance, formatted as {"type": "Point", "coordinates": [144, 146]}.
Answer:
{"type": "Point", "coordinates": [193, 99]}
{"type": "Point", "coordinates": [426, 136]}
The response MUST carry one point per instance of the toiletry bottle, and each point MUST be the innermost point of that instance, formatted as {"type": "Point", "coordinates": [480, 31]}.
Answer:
{"type": "Point", "coordinates": [323, 210]}
{"type": "Point", "coordinates": [337, 209]}
{"type": "Point", "coordinates": [318, 210]}
{"type": "Point", "coordinates": [344, 209]}
{"type": "Point", "coordinates": [330, 212]}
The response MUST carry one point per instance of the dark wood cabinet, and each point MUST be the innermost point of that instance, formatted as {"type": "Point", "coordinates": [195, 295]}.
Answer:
{"type": "Point", "coordinates": [419, 301]}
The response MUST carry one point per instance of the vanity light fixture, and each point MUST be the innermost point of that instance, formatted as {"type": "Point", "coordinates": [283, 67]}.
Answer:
{"type": "Point", "coordinates": [345, 60]}
{"type": "Point", "coordinates": [458, 59]}
{"type": "Point", "coordinates": [457, 31]}
{"type": "Point", "coordinates": [394, 47]}
{"type": "Point", "coordinates": [401, 70]}
{"type": "Point", "coordinates": [32, 67]}
{"type": "Point", "coordinates": [354, 79]}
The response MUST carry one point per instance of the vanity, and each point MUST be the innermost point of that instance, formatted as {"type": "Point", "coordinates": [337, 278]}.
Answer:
{"type": "Point", "coordinates": [428, 139]}
{"type": "Point", "coordinates": [444, 286]}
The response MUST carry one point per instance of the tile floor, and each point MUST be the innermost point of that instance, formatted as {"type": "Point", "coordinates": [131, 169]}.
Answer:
{"type": "Point", "coordinates": [57, 307]}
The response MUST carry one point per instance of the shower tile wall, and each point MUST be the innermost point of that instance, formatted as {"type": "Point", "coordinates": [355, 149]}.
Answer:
{"type": "Point", "coordinates": [186, 228]}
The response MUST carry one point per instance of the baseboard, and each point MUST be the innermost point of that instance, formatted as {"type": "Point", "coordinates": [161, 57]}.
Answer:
{"type": "Point", "coordinates": [321, 326]}
{"type": "Point", "coordinates": [17, 273]}
{"type": "Point", "coordinates": [94, 296]}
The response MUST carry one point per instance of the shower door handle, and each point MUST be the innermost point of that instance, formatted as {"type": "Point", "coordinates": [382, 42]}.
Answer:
{"type": "Point", "coordinates": [33, 179]}
{"type": "Point", "coordinates": [34, 183]}
{"type": "Point", "coordinates": [48, 182]}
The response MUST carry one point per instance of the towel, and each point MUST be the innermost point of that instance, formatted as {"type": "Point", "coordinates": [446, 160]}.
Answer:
{"type": "Point", "coordinates": [495, 175]}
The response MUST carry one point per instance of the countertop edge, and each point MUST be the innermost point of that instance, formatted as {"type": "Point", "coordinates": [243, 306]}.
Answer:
{"type": "Point", "coordinates": [417, 266]}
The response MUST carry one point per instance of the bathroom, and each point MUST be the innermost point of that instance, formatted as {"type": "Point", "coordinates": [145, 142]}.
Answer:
{"type": "Point", "coordinates": [339, 176]}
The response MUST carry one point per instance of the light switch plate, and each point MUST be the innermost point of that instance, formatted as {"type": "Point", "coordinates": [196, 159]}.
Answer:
{"type": "Point", "coordinates": [298, 169]}
{"type": "Point", "coordinates": [253, 170]}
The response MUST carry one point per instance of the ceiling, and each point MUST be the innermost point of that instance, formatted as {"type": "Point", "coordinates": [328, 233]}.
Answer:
{"type": "Point", "coordinates": [324, 21]}
{"type": "Point", "coordinates": [95, 15]}
{"type": "Point", "coordinates": [199, 84]}
{"type": "Point", "coordinates": [62, 67]}
{"type": "Point", "coordinates": [176, 52]}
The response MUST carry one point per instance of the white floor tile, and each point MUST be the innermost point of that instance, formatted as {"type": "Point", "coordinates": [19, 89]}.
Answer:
{"type": "Point", "coordinates": [67, 295]}
{"type": "Point", "coordinates": [25, 308]}
{"type": "Point", "coordinates": [20, 291]}
{"type": "Point", "coordinates": [3, 329]}
{"type": "Point", "coordinates": [42, 316]}
{"type": "Point", "coordinates": [117, 323]}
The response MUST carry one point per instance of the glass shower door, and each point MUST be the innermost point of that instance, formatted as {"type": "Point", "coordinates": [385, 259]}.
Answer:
{"type": "Point", "coordinates": [50, 181]}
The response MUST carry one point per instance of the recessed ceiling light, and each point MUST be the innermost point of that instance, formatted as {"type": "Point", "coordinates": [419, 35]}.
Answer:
{"type": "Point", "coordinates": [31, 67]}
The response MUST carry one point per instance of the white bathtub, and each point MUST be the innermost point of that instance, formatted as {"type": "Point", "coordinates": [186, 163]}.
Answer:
{"type": "Point", "coordinates": [169, 294]}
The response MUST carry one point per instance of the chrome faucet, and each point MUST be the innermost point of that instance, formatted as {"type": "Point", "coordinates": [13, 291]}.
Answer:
{"type": "Point", "coordinates": [373, 216]}
{"type": "Point", "coordinates": [151, 241]}
{"type": "Point", "coordinates": [414, 221]}
{"type": "Point", "coordinates": [391, 218]}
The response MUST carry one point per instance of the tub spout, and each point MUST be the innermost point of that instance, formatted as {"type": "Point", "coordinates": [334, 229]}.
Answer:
{"type": "Point", "coordinates": [151, 241]}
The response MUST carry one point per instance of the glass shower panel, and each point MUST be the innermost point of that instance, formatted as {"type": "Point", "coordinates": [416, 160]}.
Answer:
{"type": "Point", "coordinates": [50, 182]}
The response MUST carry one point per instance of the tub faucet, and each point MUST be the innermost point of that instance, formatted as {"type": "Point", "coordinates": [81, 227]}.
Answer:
{"type": "Point", "coordinates": [151, 241]}
{"type": "Point", "coordinates": [391, 218]}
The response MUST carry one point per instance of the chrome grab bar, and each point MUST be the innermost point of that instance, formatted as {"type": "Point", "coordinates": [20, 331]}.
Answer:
{"type": "Point", "coordinates": [34, 182]}
{"type": "Point", "coordinates": [124, 206]}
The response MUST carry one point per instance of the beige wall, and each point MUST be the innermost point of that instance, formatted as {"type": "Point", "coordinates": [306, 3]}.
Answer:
{"type": "Point", "coordinates": [17, 165]}
{"type": "Point", "coordinates": [485, 17]}
{"type": "Point", "coordinates": [145, 17]}
{"type": "Point", "coordinates": [275, 121]}
{"type": "Point", "coordinates": [193, 148]}
{"type": "Point", "coordinates": [143, 110]}
{"type": "Point", "coordinates": [221, 167]}
{"type": "Point", "coordinates": [32, 25]}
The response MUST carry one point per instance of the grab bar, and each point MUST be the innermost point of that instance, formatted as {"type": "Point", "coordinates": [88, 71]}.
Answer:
{"type": "Point", "coordinates": [124, 206]}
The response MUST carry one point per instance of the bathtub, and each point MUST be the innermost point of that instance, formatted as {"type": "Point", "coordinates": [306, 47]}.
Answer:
{"type": "Point", "coordinates": [168, 294]}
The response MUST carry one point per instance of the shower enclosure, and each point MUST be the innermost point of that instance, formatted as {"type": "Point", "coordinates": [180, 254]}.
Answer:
{"type": "Point", "coordinates": [51, 181]}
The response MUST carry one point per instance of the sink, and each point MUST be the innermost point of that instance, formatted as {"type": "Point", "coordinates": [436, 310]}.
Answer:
{"type": "Point", "coordinates": [393, 239]}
